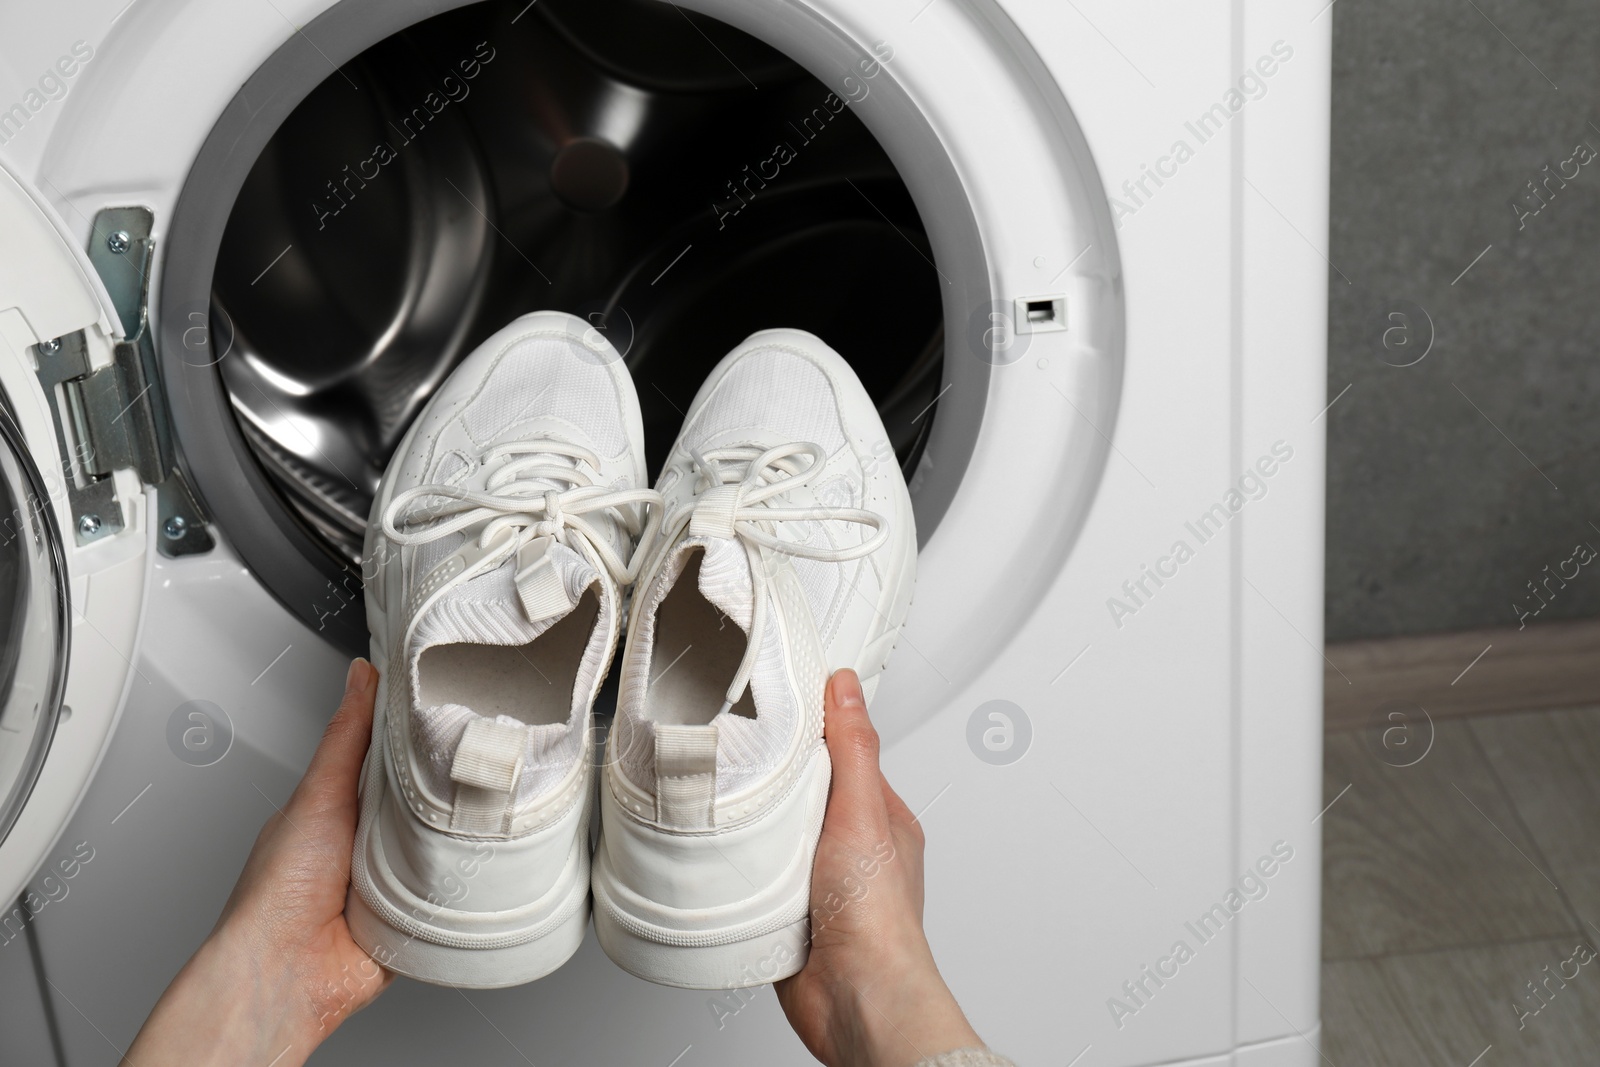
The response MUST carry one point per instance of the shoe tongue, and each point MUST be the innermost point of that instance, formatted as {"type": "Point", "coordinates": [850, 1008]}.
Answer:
{"type": "Point", "coordinates": [488, 610]}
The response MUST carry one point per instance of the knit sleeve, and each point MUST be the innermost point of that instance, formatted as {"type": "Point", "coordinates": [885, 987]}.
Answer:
{"type": "Point", "coordinates": [967, 1057]}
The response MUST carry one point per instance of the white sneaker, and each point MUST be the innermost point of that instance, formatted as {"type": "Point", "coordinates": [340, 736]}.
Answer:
{"type": "Point", "coordinates": [499, 548]}
{"type": "Point", "coordinates": [788, 551]}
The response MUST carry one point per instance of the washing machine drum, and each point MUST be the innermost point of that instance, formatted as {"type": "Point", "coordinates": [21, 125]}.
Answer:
{"type": "Point", "coordinates": [674, 180]}
{"type": "Point", "coordinates": [400, 178]}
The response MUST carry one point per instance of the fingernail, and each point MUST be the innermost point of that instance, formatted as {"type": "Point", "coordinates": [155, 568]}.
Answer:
{"type": "Point", "coordinates": [356, 678]}
{"type": "Point", "coordinates": [847, 690]}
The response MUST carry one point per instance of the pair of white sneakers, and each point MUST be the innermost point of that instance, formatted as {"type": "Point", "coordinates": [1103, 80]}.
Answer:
{"type": "Point", "coordinates": [777, 546]}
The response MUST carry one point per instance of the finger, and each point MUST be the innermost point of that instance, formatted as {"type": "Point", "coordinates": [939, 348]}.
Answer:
{"type": "Point", "coordinates": [856, 796]}
{"type": "Point", "coordinates": [336, 765]}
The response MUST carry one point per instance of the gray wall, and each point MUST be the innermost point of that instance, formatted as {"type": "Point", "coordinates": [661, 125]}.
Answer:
{"type": "Point", "coordinates": [1439, 514]}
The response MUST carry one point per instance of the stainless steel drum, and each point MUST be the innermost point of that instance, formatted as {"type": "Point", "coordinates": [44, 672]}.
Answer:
{"type": "Point", "coordinates": [676, 181]}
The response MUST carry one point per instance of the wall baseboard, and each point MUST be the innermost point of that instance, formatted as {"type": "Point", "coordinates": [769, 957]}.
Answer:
{"type": "Point", "coordinates": [1548, 665]}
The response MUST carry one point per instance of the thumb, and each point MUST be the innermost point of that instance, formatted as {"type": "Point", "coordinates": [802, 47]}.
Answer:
{"type": "Point", "coordinates": [335, 768]}
{"type": "Point", "coordinates": [855, 798]}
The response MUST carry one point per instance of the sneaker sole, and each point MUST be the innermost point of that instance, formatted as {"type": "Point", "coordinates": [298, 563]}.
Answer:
{"type": "Point", "coordinates": [754, 942]}
{"type": "Point", "coordinates": [438, 954]}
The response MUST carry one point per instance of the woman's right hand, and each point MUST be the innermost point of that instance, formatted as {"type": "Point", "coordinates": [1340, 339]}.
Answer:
{"type": "Point", "coordinates": [869, 994]}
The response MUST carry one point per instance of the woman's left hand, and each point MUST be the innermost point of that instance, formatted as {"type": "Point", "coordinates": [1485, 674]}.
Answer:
{"type": "Point", "coordinates": [280, 971]}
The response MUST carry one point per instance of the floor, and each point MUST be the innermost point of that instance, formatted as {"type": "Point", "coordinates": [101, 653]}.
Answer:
{"type": "Point", "coordinates": [1461, 892]}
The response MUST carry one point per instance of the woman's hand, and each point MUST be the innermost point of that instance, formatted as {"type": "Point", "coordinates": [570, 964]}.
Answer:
{"type": "Point", "coordinates": [869, 994]}
{"type": "Point", "coordinates": [279, 971]}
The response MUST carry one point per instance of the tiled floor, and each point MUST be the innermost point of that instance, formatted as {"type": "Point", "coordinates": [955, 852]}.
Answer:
{"type": "Point", "coordinates": [1461, 895]}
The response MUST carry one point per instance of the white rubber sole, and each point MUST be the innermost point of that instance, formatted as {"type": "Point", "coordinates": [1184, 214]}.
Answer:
{"type": "Point", "coordinates": [751, 942]}
{"type": "Point", "coordinates": [740, 965]}
{"type": "Point", "coordinates": [464, 968]}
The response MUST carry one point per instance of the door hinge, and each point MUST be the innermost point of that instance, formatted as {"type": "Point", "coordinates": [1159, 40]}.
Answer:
{"type": "Point", "coordinates": [114, 417]}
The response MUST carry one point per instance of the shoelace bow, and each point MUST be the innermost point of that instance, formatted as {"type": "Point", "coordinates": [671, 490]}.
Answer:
{"type": "Point", "coordinates": [732, 490]}
{"type": "Point", "coordinates": [511, 501]}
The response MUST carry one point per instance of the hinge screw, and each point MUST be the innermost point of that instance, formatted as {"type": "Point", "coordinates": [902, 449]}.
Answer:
{"type": "Point", "coordinates": [175, 528]}
{"type": "Point", "coordinates": [50, 347]}
{"type": "Point", "coordinates": [89, 525]}
{"type": "Point", "coordinates": [119, 242]}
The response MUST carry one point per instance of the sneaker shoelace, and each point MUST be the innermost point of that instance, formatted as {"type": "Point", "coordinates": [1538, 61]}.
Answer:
{"type": "Point", "coordinates": [732, 492]}
{"type": "Point", "coordinates": [517, 499]}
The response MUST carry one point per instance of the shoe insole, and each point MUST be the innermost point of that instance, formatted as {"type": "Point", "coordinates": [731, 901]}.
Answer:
{"type": "Point", "coordinates": [532, 683]}
{"type": "Point", "coordinates": [696, 655]}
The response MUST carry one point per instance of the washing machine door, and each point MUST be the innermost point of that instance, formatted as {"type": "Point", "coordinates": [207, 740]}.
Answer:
{"type": "Point", "coordinates": [72, 532]}
{"type": "Point", "coordinates": [34, 609]}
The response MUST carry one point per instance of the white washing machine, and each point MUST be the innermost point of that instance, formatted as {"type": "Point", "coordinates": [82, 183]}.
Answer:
{"type": "Point", "coordinates": [1075, 251]}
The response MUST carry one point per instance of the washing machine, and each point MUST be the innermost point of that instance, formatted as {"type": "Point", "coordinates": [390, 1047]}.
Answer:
{"type": "Point", "coordinates": [1076, 251]}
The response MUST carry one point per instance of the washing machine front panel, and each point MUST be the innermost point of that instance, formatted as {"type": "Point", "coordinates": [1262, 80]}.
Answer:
{"type": "Point", "coordinates": [1015, 217]}
{"type": "Point", "coordinates": [1138, 733]}
{"type": "Point", "coordinates": [73, 581]}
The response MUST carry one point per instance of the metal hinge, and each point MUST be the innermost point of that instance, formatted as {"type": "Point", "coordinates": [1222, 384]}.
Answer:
{"type": "Point", "coordinates": [114, 417]}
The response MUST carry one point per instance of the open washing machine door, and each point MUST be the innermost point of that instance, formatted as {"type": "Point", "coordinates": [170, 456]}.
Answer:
{"type": "Point", "coordinates": [74, 534]}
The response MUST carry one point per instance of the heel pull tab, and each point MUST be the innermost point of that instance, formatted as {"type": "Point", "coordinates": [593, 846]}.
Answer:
{"type": "Point", "coordinates": [487, 764]}
{"type": "Point", "coordinates": [686, 775]}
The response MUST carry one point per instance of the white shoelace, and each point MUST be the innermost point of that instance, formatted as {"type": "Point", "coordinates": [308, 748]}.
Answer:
{"type": "Point", "coordinates": [512, 502]}
{"type": "Point", "coordinates": [732, 490]}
